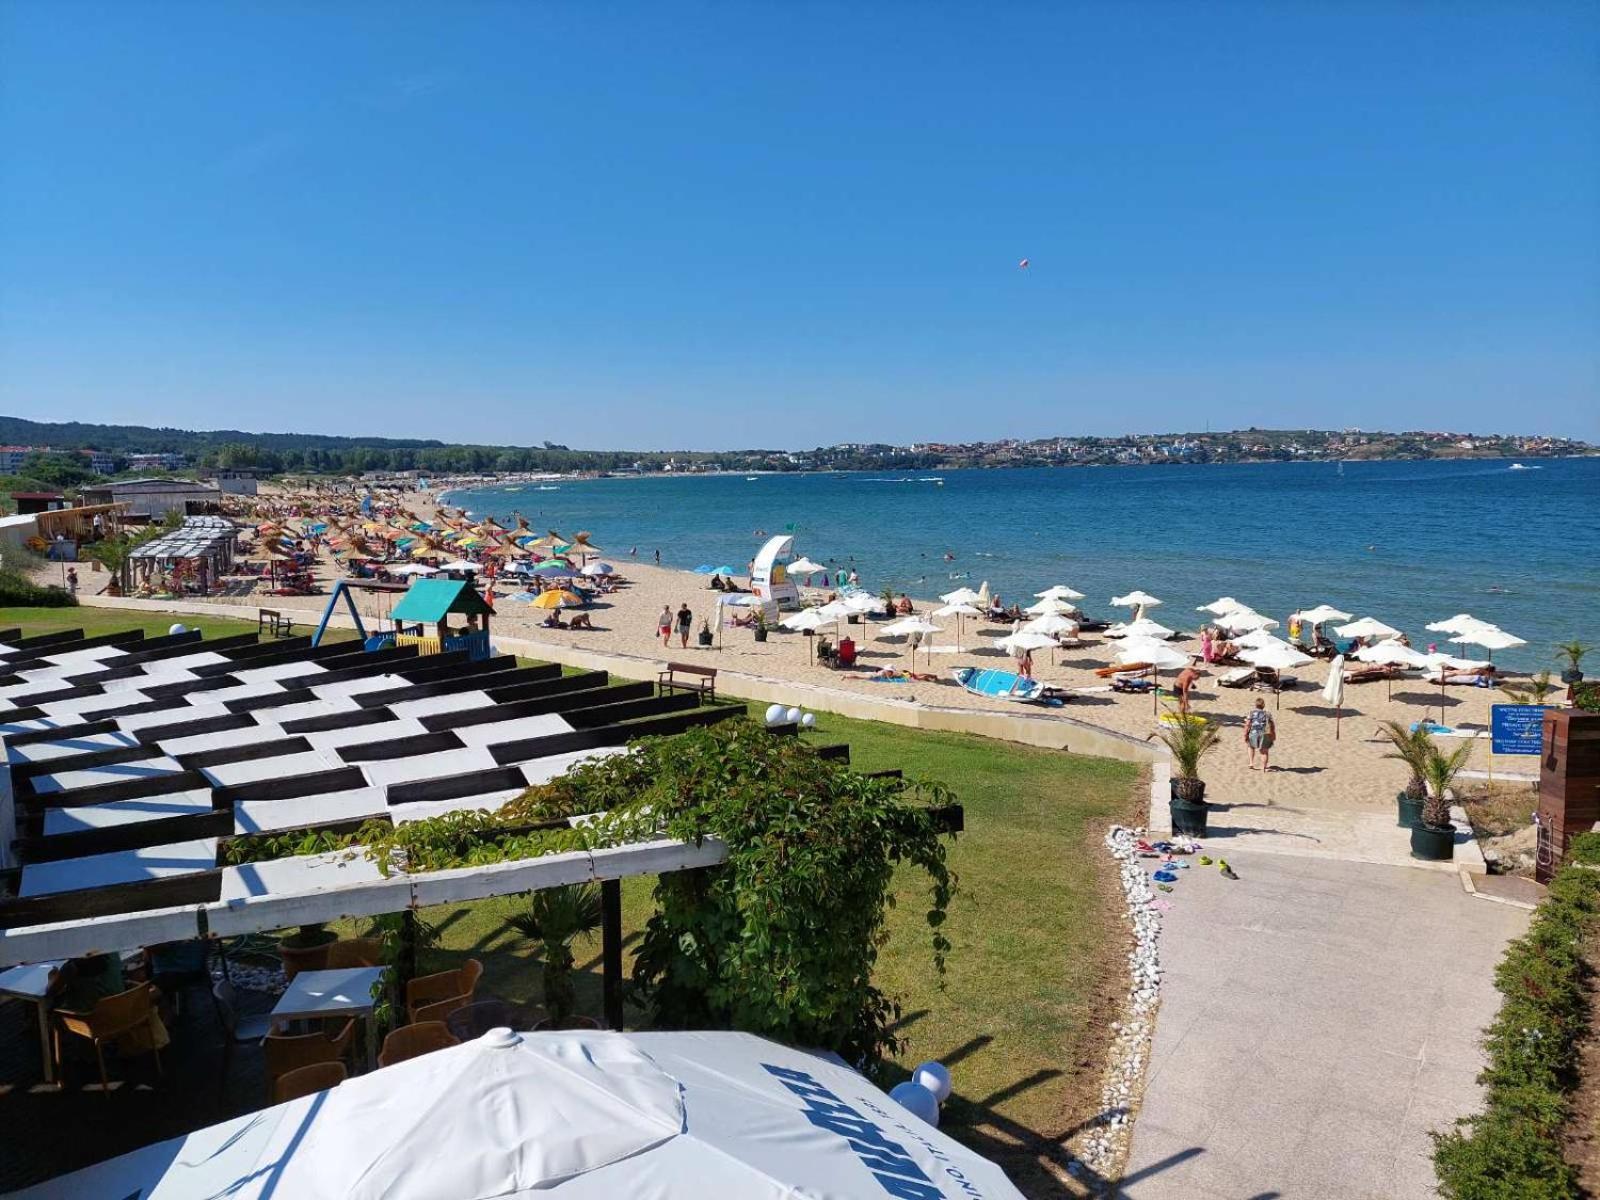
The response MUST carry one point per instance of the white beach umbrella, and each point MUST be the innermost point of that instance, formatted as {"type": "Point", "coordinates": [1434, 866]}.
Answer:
{"type": "Point", "coordinates": [803, 566]}
{"type": "Point", "coordinates": [461, 564]}
{"type": "Point", "coordinates": [1258, 639]}
{"type": "Point", "coordinates": [1490, 638]}
{"type": "Point", "coordinates": [1051, 604]}
{"type": "Point", "coordinates": [1059, 591]}
{"type": "Point", "coordinates": [1160, 655]}
{"type": "Point", "coordinates": [413, 569]}
{"type": "Point", "coordinates": [1135, 599]}
{"type": "Point", "coordinates": [1144, 627]}
{"type": "Point", "coordinates": [1243, 620]}
{"type": "Point", "coordinates": [804, 620]}
{"type": "Point", "coordinates": [1366, 627]}
{"type": "Point", "coordinates": [1460, 623]}
{"type": "Point", "coordinates": [1333, 691]}
{"type": "Point", "coordinates": [958, 609]}
{"type": "Point", "coordinates": [962, 595]}
{"type": "Point", "coordinates": [1320, 614]}
{"type": "Point", "coordinates": [1224, 604]}
{"type": "Point", "coordinates": [1052, 623]}
{"type": "Point", "coordinates": [906, 626]}
{"type": "Point", "coordinates": [597, 568]}
{"type": "Point", "coordinates": [1445, 663]}
{"type": "Point", "coordinates": [1391, 653]}
{"type": "Point", "coordinates": [1280, 657]}
{"type": "Point", "coordinates": [1024, 639]}
{"type": "Point", "coordinates": [863, 604]}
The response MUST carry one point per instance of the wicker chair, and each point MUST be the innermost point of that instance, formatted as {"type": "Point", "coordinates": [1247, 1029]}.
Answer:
{"type": "Point", "coordinates": [418, 1038]}
{"type": "Point", "coordinates": [303, 1081]}
{"type": "Point", "coordinates": [284, 1053]}
{"type": "Point", "coordinates": [113, 1018]}
{"type": "Point", "coordinates": [430, 990]}
{"type": "Point", "coordinates": [355, 952]}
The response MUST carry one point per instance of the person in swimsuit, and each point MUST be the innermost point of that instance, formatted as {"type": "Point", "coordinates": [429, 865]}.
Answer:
{"type": "Point", "coordinates": [1259, 733]}
{"type": "Point", "coordinates": [664, 625]}
{"type": "Point", "coordinates": [1182, 685]}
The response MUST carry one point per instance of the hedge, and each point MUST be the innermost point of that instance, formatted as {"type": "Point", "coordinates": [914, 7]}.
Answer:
{"type": "Point", "coordinates": [1513, 1149]}
{"type": "Point", "coordinates": [17, 589]}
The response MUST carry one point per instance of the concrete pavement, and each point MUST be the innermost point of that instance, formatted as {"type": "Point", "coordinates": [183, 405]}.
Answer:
{"type": "Point", "coordinates": [1318, 1018]}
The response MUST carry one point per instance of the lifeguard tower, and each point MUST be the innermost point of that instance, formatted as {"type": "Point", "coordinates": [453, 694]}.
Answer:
{"type": "Point", "coordinates": [769, 576]}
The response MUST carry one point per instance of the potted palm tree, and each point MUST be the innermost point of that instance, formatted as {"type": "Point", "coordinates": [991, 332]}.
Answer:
{"type": "Point", "coordinates": [1535, 690]}
{"type": "Point", "coordinates": [1433, 838]}
{"type": "Point", "coordinates": [1573, 652]}
{"type": "Point", "coordinates": [1411, 747]}
{"type": "Point", "coordinates": [705, 633]}
{"type": "Point", "coordinates": [1189, 738]}
{"type": "Point", "coordinates": [557, 917]}
{"type": "Point", "coordinates": [761, 623]}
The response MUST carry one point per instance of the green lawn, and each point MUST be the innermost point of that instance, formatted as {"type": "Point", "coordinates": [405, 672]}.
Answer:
{"type": "Point", "coordinates": [1038, 944]}
{"type": "Point", "coordinates": [110, 620]}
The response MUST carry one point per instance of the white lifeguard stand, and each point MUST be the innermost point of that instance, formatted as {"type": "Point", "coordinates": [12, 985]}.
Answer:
{"type": "Point", "coordinates": [769, 577]}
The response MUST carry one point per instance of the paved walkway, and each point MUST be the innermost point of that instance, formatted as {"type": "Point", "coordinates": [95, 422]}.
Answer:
{"type": "Point", "coordinates": [1318, 1018]}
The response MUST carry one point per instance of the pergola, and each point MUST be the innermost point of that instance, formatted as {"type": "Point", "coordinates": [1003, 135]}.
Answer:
{"type": "Point", "coordinates": [207, 541]}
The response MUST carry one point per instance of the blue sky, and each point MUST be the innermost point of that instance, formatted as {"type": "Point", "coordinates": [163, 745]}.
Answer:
{"type": "Point", "coordinates": [672, 225]}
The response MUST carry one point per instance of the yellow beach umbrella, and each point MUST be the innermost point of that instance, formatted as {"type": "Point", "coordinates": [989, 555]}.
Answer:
{"type": "Point", "coordinates": [556, 598]}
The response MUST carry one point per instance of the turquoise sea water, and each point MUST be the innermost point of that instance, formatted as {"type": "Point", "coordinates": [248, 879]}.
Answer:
{"type": "Point", "coordinates": [1406, 542]}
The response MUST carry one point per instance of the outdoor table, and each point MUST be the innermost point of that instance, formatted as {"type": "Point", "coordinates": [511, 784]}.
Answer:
{"type": "Point", "coordinates": [33, 982]}
{"type": "Point", "coordinates": [344, 992]}
{"type": "Point", "coordinates": [476, 1019]}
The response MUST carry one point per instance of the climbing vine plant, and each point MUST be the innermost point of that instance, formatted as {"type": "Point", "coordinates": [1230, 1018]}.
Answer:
{"type": "Point", "coordinates": [783, 938]}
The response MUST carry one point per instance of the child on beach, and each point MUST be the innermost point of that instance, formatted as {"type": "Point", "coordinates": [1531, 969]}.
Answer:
{"type": "Point", "coordinates": [664, 625]}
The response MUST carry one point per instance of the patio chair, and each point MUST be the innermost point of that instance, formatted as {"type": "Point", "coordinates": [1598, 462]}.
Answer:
{"type": "Point", "coordinates": [458, 984]}
{"type": "Point", "coordinates": [289, 1052]}
{"type": "Point", "coordinates": [128, 1016]}
{"type": "Point", "coordinates": [304, 1081]}
{"type": "Point", "coordinates": [414, 1040]}
{"type": "Point", "coordinates": [355, 952]}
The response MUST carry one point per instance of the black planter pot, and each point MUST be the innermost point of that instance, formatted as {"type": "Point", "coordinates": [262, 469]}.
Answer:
{"type": "Point", "coordinates": [1408, 811]}
{"type": "Point", "coordinates": [1188, 820]}
{"type": "Point", "coordinates": [1172, 786]}
{"type": "Point", "coordinates": [1571, 676]}
{"type": "Point", "coordinates": [705, 639]}
{"type": "Point", "coordinates": [761, 635]}
{"type": "Point", "coordinates": [1432, 844]}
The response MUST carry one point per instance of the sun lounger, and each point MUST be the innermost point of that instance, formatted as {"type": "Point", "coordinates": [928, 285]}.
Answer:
{"type": "Point", "coordinates": [1372, 674]}
{"type": "Point", "coordinates": [1241, 677]}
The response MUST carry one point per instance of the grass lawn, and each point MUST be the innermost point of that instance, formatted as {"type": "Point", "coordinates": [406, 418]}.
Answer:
{"type": "Point", "coordinates": [1038, 942]}
{"type": "Point", "coordinates": [111, 620]}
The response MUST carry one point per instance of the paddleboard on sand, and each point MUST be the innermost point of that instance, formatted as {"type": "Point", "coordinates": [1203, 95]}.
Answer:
{"type": "Point", "coordinates": [1001, 685]}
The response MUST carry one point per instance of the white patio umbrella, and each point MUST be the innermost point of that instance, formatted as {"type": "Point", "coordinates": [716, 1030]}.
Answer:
{"type": "Point", "coordinates": [806, 621]}
{"type": "Point", "coordinates": [1160, 655]}
{"type": "Point", "coordinates": [1459, 623]}
{"type": "Point", "coordinates": [1391, 654]}
{"type": "Point", "coordinates": [597, 568]}
{"type": "Point", "coordinates": [461, 564]}
{"type": "Point", "coordinates": [1280, 657]}
{"type": "Point", "coordinates": [1366, 627]}
{"type": "Point", "coordinates": [1319, 615]}
{"type": "Point", "coordinates": [1024, 639]}
{"type": "Point", "coordinates": [1052, 625]}
{"type": "Point", "coordinates": [906, 626]}
{"type": "Point", "coordinates": [1243, 620]}
{"type": "Point", "coordinates": [1144, 627]}
{"type": "Point", "coordinates": [1445, 663]}
{"type": "Point", "coordinates": [803, 566]}
{"type": "Point", "coordinates": [863, 604]}
{"type": "Point", "coordinates": [835, 611]}
{"type": "Point", "coordinates": [962, 595]}
{"type": "Point", "coordinates": [958, 609]}
{"type": "Point", "coordinates": [1333, 691]}
{"type": "Point", "coordinates": [1223, 604]}
{"type": "Point", "coordinates": [669, 1115]}
{"type": "Point", "coordinates": [1059, 591]}
{"type": "Point", "coordinates": [1135, 599]}
{"type": "Point", "coordinates": [1258, 639]}
{"type": "Point", "coordinates": [413, 569]}
{"type": "Point", "coordinates": [1490, 637]}
{"type": "Point", "coordinates": [1050, 604]}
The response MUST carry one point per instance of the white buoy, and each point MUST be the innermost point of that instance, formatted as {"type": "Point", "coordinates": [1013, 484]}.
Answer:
{"type": "Point", "coordinates": [809, 720]}
{"type": "Point", "coordinates": [935, 1077]}
{"type": "Point", "coordinates": [774, 714]}
{"type": "Point", "coordinates": [917, 1100]}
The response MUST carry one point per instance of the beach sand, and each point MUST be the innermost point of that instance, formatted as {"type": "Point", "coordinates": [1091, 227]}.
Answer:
{"type": "Point", "coordinates": [1311, 768]}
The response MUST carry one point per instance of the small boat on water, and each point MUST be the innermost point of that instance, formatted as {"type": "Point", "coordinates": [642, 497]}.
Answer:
{"type": "Point", "coordinates": [998, 685]}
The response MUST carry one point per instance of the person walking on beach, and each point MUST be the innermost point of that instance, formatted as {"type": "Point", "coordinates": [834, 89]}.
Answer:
{"type": "Point", "coordinates": [664, 625]}
{"type": "Point", "coordinates": [658, 558]}
{"type": "Point", "coordinates": [1260, 731]}
{"type": "Point", "coordinates": [685, 620]}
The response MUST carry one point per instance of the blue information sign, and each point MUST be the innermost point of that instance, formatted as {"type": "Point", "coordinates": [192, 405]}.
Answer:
{"type": "Point", "coordinates": [1516, 728]}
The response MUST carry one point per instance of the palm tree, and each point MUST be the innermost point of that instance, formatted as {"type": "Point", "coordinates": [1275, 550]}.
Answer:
{"type": "Point", "coordinates": [1189, 739]}
{"type": "Point", "coordinates": [1534, 691]}
{"type": "Point", "coordinates": [1573, 652]}
{"type": "Point", "coordinates": [1439, 773]}
{"type": "Point", "coordinates": [1412, 747]}
{"type": "Point", "coordinates": [555, 918]}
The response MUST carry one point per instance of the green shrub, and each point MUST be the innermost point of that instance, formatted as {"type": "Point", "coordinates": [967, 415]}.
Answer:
{"type": "Point", "coordinates": [17, 589]}
{"type": "Point", "coordinates": [1513, 1149]}
{"type": "Point", "coordinates": [1584, 848]}
{"type": "Point", "coordinates": [1587, 696]}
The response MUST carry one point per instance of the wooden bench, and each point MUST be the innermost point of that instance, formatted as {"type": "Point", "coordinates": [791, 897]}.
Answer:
{"type": "Point", "coordinates": [704, 679]}
{"type": "Point", "coordinates": [270, 620]}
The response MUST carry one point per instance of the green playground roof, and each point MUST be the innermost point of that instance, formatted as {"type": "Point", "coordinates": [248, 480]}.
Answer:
{"type": "Point", "coordinates": [434, 599]}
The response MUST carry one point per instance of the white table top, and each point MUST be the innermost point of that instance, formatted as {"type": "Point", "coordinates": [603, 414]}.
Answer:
{"type": "Point", "coordinates": [328, 993]}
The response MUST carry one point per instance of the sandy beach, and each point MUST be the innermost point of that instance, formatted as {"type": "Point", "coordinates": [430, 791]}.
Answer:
{"type": "Point", "coordinates": [1312, 768]}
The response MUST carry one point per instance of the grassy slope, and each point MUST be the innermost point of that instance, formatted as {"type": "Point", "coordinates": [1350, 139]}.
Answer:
{"type": "Point", "coordinates": [1037, 942]}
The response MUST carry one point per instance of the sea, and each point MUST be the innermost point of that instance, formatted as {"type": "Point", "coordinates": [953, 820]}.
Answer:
{"type": "Point", "coordinates": [1513, 543]}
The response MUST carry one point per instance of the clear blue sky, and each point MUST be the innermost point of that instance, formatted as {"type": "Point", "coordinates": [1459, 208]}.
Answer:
{"type": "Point", "coordinates": [671, 225]}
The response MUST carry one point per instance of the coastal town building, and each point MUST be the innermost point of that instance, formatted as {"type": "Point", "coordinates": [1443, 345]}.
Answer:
{"type": "Point", "coordinates": [153, 499]}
